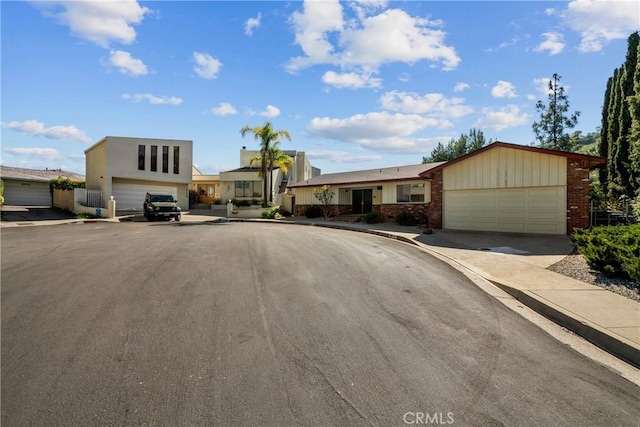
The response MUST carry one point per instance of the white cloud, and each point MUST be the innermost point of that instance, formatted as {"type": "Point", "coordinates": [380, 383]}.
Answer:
{"type": "Point", "coordinates": [378, 131]}
{"type": "Point", "coordinates": [553, 43]}
{"type": "Point", "coordinates": [341, 156]}
{"type": "Point", "coordinates": [100, 22]}
{"type": "Point", "coordinates": [271, 111]}
{"type": "Point", "coordinates": [366, 42]}
{"type": "Point", "coordinates": [36, 128]}
{"type": "Point", "coordinates": [224, 109]}
{"type": "Point", "coordinates": [350, 80]}
{"type": "Point", "coordinates": [311, 27]}
{"type": "Point", "coordinates": [206, 65]}
{"type": "Point", "coordinates": [127, 64]}
{"type": "Point", "coordinates": [503, 89]}
{"type": "Point", "coordinates": [155, 100]}
{"type": "Point", "coordinates": [394, 36]}
{"type": "Point", "coordinates": [502, 118]}
{"type": "Point", "coordinates": [599, 22]}
{"type": "Point", "coordinates": [435, 104]}
{"type": "Point", "coordinates": [549, 11]}
{"type": "Point", "coordinates": [251, 24]}
{"type": "Point", "coordinates": [460, 87]}
{"type": "Point", "coordinates": [40, 153]}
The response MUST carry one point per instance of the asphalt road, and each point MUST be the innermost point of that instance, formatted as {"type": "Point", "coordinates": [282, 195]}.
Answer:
{"type": "Point", "coordinates": [273, 325]}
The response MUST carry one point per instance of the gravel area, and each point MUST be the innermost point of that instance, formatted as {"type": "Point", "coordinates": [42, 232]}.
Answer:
{"type": "Point", "coordinates": [574, 265]}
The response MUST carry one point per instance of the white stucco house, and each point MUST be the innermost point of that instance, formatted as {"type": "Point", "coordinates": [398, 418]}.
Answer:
{"type": "Point", "coordinates": [127, 168]}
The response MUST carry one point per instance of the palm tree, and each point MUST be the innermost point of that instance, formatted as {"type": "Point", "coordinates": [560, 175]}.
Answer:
{"type": "Point", "coordinates": [276, 159]}
{"type": "Point", "coordinates": [268, 137]}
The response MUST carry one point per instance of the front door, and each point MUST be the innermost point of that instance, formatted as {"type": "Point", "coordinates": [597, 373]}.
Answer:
{"type": "Point", "coordinates": [362, 201]}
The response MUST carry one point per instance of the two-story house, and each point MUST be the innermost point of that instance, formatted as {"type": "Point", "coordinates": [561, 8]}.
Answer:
{"type": "Point", "coordinates": [127, 168]}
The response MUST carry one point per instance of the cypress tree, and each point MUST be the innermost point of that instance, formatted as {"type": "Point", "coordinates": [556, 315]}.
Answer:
{"type": "Point", "coordinates": [613, 127]}
{"type": "Point", "coordinates": [605, 144]}
{"type": "Point", "coordinates": [634, 137]}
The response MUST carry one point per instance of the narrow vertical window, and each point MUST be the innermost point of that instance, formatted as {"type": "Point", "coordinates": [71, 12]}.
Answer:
{"type": "Point", "coordinates": [141, 153]}
{"type": "Point", "coordinates": [154, 158]}
{"type": "Point", "coordinates": [176, 160]}
{"type": "Point", "coordinates": [165, 158]}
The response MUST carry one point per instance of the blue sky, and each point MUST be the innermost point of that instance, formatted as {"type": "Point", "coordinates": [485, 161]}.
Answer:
{"type": "Point", "coordinates": [358, 84]}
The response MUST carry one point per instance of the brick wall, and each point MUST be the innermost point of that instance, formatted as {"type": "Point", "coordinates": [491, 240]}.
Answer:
{"type": "Point", "coordinates": [334, 210]}
{"type": "Point", "coordinates": [435, 207]}
{"type": "Point", "coordinates": [419, 211]}
{"type": "Point", "coordinates": [577, 195]}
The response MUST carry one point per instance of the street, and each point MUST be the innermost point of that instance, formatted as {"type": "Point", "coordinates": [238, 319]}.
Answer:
{"type": "Point", "coordinates": [241, 324]}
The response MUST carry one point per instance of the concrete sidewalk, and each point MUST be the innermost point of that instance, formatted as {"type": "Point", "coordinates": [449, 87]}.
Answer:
{"type": "Point", "coordinates": [518, 265]}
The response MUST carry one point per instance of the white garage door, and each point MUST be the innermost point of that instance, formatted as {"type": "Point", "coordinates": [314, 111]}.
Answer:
{"type": "Point", "coordinates": [130, 197]}
{"type": "Point", "coordinates": [27, 196]}
{"type": "Point", "coordinates": [521, 210]}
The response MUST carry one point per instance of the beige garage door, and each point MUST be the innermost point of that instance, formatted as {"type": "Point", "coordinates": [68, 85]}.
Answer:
{"type": "Point", "coordinates": [130, 197]}
{"type": "Point", "coordinates": [520, 210]}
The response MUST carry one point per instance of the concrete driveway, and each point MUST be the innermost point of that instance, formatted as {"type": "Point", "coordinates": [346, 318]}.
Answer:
{"type": "Point", "coordinates": [32, 213]}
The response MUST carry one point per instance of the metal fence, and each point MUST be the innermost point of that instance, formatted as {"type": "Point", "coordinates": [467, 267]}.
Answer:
{"type": "Point", "coordinates": [93, 198]}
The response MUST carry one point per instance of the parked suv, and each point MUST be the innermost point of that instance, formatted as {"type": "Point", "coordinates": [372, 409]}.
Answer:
{"type": "Point", "coordinates": [161, 206]}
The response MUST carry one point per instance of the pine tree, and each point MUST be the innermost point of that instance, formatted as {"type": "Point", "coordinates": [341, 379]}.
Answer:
{"type": "Point", "coordinates": [555, 118]}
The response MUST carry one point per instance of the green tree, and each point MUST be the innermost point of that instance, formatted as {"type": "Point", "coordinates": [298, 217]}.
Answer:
{"type": "Point", "coordinates": [267, 137]}
{"type": "Point", "coordinates": [550, 131]}
{"type": "Point", "coordinates": [472, 141]}
{"type": "Point", "coordinates": [620, 132]}
{"type": "Point", "coordinates": [324, 195]}
{"type": "Point", "coordinates": [275, 160]}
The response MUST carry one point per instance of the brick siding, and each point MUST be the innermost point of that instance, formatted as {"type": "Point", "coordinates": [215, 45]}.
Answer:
{"type": "Point", "coordinates": [577, 195]}
{"type": "Point", "coordinates": [435, 207]}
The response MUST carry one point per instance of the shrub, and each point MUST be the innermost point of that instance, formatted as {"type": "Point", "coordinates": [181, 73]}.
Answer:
{"type": "Point", "coordinates": [272, 213]}
{"type": "Point", "coordinates": [613, 250]}
{"type": "Point", "coordinates": [405, 218]}
{"type": "Point", "coordinates": [372, 218]}
{"type": "Point", "coordinates": [256, 202]}
{"type": "Point", "coordinates": [241, 203]}
{"type": "Point", "coordinates": [65, 184]}
{"type": "Point", "coordinates": [313, 211]}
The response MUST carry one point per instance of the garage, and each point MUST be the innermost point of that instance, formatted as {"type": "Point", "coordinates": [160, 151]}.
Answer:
{"type": "Point", "coordinates": [504, 187]}
{"type": "Point", "coordinates": [130, 197]}
{"type": "Point", "coordinates": [27, 193]}
{"type": "Point", "coordinates": [520, 210]}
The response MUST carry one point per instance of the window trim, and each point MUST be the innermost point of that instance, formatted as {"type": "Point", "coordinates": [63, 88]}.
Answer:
{"type": "Point", "coordinates": [142, 154]}
{"type": "Point", "coordinates": [154, 158]}
{"type": "Point", "coordinates": [411, 186]}
{"type": "Point", "coordinates": [165, 159]}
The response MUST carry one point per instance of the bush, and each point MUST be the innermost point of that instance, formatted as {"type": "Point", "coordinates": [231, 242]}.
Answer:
{"type": "Point", "coordinates": [313, 211]}
{"type": "Point", "coordinates": [241, 203]}
{"type": "Point", "coordinates": [613, 250]}
{"type": "Point", "coordinates": [65, 184]}
{"type": "Point", "coordinates": [372, 218]}
{"type": "Point", "coordinates": [272, 213]}
{"type": "Point", "coordinates": [256, 202]}
{"type": "Point", "coordinates": [405, 218]}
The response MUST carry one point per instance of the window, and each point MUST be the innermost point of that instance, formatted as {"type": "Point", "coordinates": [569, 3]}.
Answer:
{"type": "Point", "coordinates": [141, 153]}
{"type": "Point", "coordinates": [176, 160]}
{"type": "Point", "coordinates": [154, 158]}
{"type": "Point", "coordinates": [165, 158]}
{"type": "Point", "coordinates": [410, 193]}
{"type": "Point", "coordinates": [248, 188]}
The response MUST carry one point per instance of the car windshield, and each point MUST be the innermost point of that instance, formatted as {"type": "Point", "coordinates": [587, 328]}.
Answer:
{"type": "Point", "coordinates": [162, 198]}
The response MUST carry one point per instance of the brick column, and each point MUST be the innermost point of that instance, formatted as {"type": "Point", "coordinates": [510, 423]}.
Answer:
{"type": "Point", "coordinates": [577, 195]}
{"type": "Point", "coordinates": [435, 206]}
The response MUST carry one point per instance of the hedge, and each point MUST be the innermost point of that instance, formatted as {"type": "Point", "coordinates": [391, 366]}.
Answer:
{"type": "Point", "coordinates": [613, 250]}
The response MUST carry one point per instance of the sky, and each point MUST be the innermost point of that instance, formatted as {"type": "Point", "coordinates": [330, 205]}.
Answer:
{"type": "Point", "coordinates": [358, 84]}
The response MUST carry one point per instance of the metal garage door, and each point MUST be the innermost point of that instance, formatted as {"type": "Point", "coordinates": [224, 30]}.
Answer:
{"type": "Point", "coordinates": [522, 210]}
{"type": "Point", "coordinates": [131, 196]}
{"type": "Point", "coordinates": [27, 196]}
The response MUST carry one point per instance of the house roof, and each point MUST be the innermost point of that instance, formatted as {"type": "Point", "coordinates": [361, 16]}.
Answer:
{"type": "Point", "coordinates": [244, 169]}
{"type": "Point", "coordinates": [46, 175]}
{"type": "Point", "coordinates": [589, 161]}
{"type": "Point", "coordinates": [396, 173]}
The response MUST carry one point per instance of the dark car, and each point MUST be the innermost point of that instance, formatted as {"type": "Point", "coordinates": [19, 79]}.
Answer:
{"type": "Point", "coordinates": [161, 206]}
